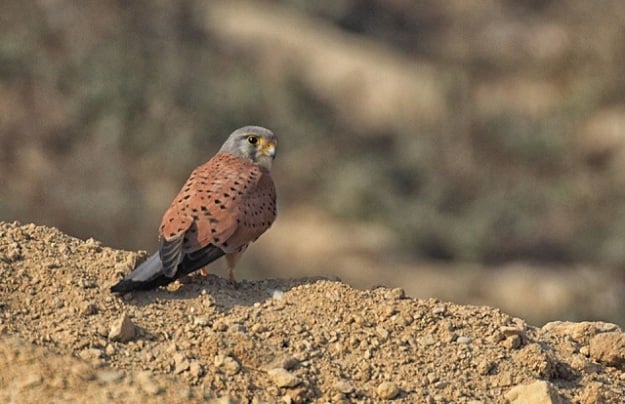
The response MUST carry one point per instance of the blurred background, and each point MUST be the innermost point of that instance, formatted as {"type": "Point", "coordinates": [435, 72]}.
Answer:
{"type": "Point", "coordinates": [470, 151]}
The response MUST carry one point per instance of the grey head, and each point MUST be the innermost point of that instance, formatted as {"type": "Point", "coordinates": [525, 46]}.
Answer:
{"type": "Point", "coordinates": [254, 143]}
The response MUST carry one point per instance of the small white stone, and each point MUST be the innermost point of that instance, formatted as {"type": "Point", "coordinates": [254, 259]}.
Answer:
{"type": "Point", "coordinates": [123, 330]}
{"type": "Point", "coordinates": [283, 378]}
{"type": "Point", "coordinates": [277, 294]}
{"type": "Point", "coordinates": [538, 392]}
{"type": "Point", "coordinates": [387, 390]}
{"type": "Point", "coordinates": [463, 340]}
{"type": "Point", "coordinates": [227, 363]}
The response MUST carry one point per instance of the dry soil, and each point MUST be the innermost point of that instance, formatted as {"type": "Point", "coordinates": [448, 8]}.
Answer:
{"type": "Point", "coordinates": [66, 338]}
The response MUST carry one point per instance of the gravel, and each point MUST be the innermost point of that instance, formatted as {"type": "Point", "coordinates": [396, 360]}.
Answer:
{"type": "Point", "coordinates": [64, 337]}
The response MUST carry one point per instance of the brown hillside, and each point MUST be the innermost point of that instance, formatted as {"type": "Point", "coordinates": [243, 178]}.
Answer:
{"type": "Point", "coordinates": [278, 340]}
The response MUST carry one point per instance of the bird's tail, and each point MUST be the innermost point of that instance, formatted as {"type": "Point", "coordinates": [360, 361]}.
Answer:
{"type": "Point", "coordinates": [149, 275]}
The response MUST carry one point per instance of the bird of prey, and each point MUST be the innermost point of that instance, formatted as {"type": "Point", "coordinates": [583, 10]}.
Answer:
{"type": "Point", "coordinates": [226, 204]}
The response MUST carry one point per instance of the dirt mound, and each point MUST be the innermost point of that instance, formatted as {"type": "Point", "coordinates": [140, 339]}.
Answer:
{"type": "Point", "coordinates": [65, 337]}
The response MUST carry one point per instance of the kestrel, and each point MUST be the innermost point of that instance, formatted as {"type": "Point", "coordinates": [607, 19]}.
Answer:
{"type": "Point", "coordinates": [226, 204]}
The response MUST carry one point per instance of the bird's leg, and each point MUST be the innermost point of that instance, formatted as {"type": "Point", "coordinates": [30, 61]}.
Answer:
{"type": "Point", "coordinates": [204, 271]}
{"type": "Point", "coordinates": [232, 260]}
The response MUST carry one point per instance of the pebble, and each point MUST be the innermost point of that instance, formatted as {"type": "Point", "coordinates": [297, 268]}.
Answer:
{"type": "Point", "coordinates": [93, 244]}
{"type": "Point", "coordinates": [484, 367]}
{"type": "Point", "coordinates": [432, 377]}
{"type": "Point", "coordinates": [283, 378]}
{"type": "Point", "coordinates": [439, 309]}
{"type": "Point", "coordinates": [90, 353]}
{"type": "Point", "coordinates": [427, 340]}
{"type": "Point", "coordinates": [539, 391]}
{"type": "Point", "coordinates": [344, 387]}
{"type": "Point", "coordinates": [227, 363]}
{"type": "Point", "coordinates": [201, 321]}
{"type": "Point", "coordinates": [397, 294]}
{"type": "Point", "coordinates": [277, 294]}
{"type": "Point", "coordinates": [382, 333]}
{"type": "Point", "coordinates": [463, 340]}
{"type": "Point", "coordinates": [387, 390]}
{"type": "Point", "coordinates": [512, 342]}
{"type": "Point", "coordinates": [195, 369]}
{"type": "Point", "coordinates": [109, 350]}
{"type": "Point", "coordinates": [608, 348]}
{"type": "Point", "coordinates": [509, 331]}
{"type": "Point", "coordinates": [181, 362]}
{"type": "Point", "coordinates": [123, 330]}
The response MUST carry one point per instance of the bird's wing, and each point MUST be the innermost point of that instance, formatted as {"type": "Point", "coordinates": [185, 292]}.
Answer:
{"type": "Point", "coordinates": [222, 198]}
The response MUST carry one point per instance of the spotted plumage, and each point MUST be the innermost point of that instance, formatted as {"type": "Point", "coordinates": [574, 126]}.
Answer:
{"type": "Point", "coordinates": [226, 204]}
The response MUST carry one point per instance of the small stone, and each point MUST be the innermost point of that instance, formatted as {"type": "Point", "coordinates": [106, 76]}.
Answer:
{"type": "Point", "coordinates": [538, 392]}
{"type": "Point", "coordinates": [427, 340]}
{"type": "Point", "coordinates": [181, 362]}
{"type": "Point", "coordinates": [485, 367]}
{"type": "Point", "coordinates": [344, 387]}
{"type": "Point", "coordinates": [93, 244]}
{"type": "Point", "coordinates": [257, 328]}
{"type": "Point", "coordinates": [439, 309]}
{"type": "Point", "coordinates": [109, 350]}
{"type": "Point", "coordinates": [195, 369]}
{"type": "Point", "coordinates": [201, 321]}
{"type": "Point", "coordinates": [227, 363]}
{"type": "Point", "coordinates": [608, 348]}
{"type": "Point", "coordinates": [382, 333]}
{"type": "Point", "coordinates": [387, 390]}
{"type": "Point", "coordinates": [512, 342]}
{"type": "Point", "coordinates": [123, 330]}
{"type": "Point", "coordinates": [147, 383]}
{"type": "Point", "coordinates": [388, 311]}
{"type": "Point", "coordinates": [463, 340]}
{"type": "Point", "coordinates": [220, 325]}
{"type": "Point", "coordinates": [90, 353]}
{"type": "Point", "coordinates": [397, 294]}
{"type": "Point", "coordinates": [277, 294]}
{"type": "Point", "coordinates": [283, 378]}
{"type": "Point", "coordinates": [509, 331]}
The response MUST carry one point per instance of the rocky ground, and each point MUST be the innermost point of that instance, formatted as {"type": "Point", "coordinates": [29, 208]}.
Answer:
{"type": "Point", "coordinates": [66, 338]}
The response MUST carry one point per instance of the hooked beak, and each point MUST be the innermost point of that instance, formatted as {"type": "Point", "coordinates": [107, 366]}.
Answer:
{"type": "Point", "coordinates": [270, 150]}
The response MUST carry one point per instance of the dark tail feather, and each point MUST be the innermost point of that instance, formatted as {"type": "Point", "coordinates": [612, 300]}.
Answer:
{"type": "Point", "coordinates": [137, 280]}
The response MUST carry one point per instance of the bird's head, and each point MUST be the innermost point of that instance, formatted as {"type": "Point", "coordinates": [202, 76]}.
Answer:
{"type": "Point", "coordinates": [254, 143]}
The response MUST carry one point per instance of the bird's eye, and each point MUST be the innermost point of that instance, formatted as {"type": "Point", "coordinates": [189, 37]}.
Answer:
{"type": "Point", "coordinates": [252, 139]}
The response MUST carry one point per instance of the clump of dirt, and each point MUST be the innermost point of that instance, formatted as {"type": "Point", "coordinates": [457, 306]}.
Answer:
{"type": "Point", "coordinates": [66, 337]}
